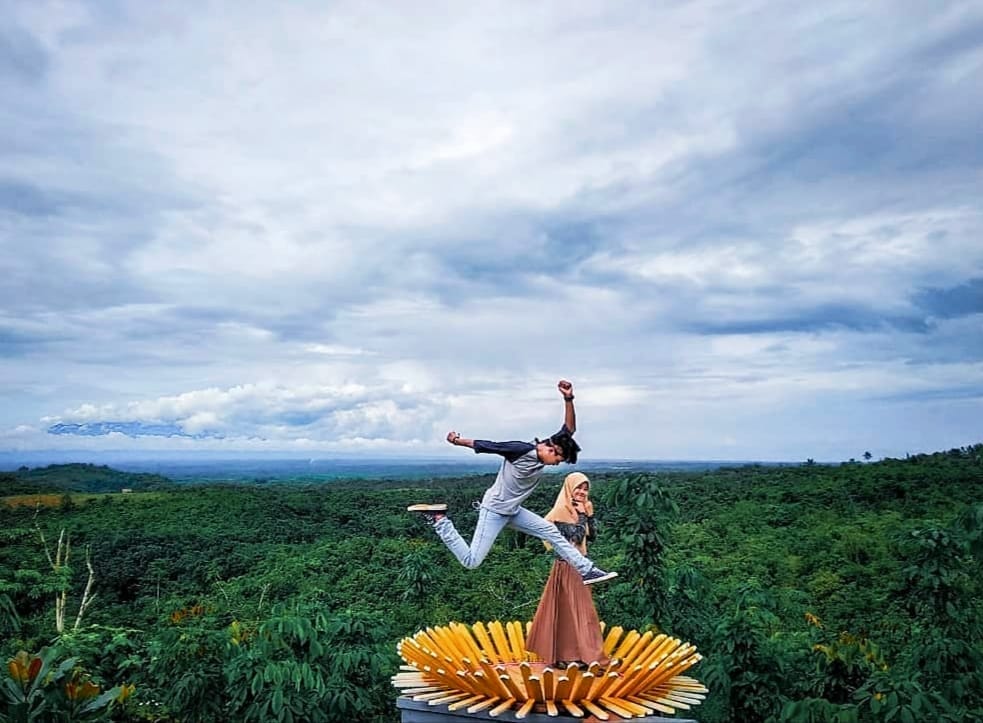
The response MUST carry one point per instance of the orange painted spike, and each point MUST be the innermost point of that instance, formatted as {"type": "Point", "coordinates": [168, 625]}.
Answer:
{"type": "Point", "coordinates": [501, 643]}
{"type": "Point", "coordinates": [448, 699]}
{"type": "Point", "coordinates": [581, 686]}
{"type": "Point", "coordinates": [615, 708]}
{"type": "Point", "coordinates": [601, 688]}
{"type": "Point", "coordinates": [649, 708]}
{"type": "Point", "coordinates": [573, 709]}
{"type": "Point", "coordinates": [464, 703]}
{"type": "Point", "coordinates": [525, 670]}
{"type": "Point", "coordinates": [563, 687]}
{"type": "Point", "coordinates": [548, 684]}
{"type": "Point", "coordinates": [526, 707]}
{"type": "Point", "coordinates": [612, 639]}
{"type": "Point", "coordinates": [633, 708]}
{"type": "Point", "coordinates": [494, 679]}
{"type": "Point", "coordinates": [626, 644]}
{"type": "Point", "coordinates": [516, 640]}
{"type": "Point", "coordinates": [486, 703]}
{"type": "Point", "coordinates": [467, 642]}
{"type": "Point", "coordinates": [515, 690]}
{"type": "Point", "coordinates": [501, 707]}
{"type": "Point", "coordinates": [594, 710]}
{"type": "Point", "coordinates": [637, 650]}
{"type": "Point", "coordinates": [476, 683]}
{"type": "Point", "coordinates": [655, 703]}
{"type": "Point", "coordinates": [490, 688]}
{"type": "Point", "coordinates": [486, 644]}
{"type": "Point", "coordinates": [420, 691]}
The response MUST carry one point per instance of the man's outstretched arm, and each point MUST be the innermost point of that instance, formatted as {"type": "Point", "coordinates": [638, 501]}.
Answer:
{"type": "Point", "coordinates": [569, 413]}
{"type": "Point", "coordinates": [510, 450]}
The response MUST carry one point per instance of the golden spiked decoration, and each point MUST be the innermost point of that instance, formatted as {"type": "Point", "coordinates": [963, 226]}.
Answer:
{"type": "Point", "coordinates": [483, 667]}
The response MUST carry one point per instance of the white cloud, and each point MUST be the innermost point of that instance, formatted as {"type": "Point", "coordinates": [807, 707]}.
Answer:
{"type": "Point", "coordinates": [353, 225]}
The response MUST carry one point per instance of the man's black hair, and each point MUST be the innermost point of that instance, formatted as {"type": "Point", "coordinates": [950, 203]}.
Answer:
{"type": "Point", "coordinates": [565, 442]}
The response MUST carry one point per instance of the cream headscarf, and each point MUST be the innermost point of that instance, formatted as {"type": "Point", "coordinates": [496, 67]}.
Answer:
{"type": "Point", "coordinates": [563, 509]}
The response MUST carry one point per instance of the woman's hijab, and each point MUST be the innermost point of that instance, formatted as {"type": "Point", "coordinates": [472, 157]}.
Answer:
{"type": "Point", "coordinates": [563, 509]}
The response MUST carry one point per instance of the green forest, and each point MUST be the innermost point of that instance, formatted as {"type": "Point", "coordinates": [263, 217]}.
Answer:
{"type": "Point", "coordinates": [821, 593]}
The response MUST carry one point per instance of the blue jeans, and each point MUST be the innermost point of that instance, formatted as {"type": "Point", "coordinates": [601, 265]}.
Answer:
{"type": "Point", "coordinates": [491, 523]}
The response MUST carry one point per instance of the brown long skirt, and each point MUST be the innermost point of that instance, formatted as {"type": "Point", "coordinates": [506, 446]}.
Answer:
{"type": "Point", "coordinates": [566, 626]}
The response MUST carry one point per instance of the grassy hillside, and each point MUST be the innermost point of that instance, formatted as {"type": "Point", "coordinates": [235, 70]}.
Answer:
{"type": "Point", "coordinates": [59, 478]}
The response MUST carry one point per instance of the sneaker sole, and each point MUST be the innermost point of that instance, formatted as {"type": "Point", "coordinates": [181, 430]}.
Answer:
{"type": "Point", "coordinates": [427, 508]}
{"type": "Point", "coordinates": [602, 578]}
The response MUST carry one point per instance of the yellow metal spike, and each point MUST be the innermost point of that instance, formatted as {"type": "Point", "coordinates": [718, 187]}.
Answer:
{"type": "Point", "coordinates": [659, 706]}
{"type": "Point", "coordinates": [629, 658]}
{"type": "Point", "coordinates": [516, 640]}
{"type": "Point", "coordinates": [613, 706]}
{"type": "Point", "coordinates": [464, 643]}
{"type": "Point", "coordinates": [653, 651]}
{"type": "Point", "coordinates": [486, 644]}
{"type": "Point", "coordinates": [599, 689]}
{"type": "Point", "coordinates": [649, 708]}
{"type": "Point", "coordinates": [498, 635]}
{"type": "Point", "coordinates": [630, 639]}
{"type": "Point", "coordinates": [612, 639]}
{"type": "Point", "coordinates": [594, 710]}
{"type": "Point", "coordinates": [625, 704]}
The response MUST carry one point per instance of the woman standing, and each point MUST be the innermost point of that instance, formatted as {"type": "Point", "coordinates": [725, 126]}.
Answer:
{"type": "Point", "coordinates": [566, 628]}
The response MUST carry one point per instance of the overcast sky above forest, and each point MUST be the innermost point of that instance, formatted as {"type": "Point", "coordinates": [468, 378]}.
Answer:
{"type": "Point", "coordinates": [744, 230]}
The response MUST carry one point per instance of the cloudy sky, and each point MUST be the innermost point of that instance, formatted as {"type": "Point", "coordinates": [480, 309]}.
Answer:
{"type": "Point", "coordinates": [745, 230]}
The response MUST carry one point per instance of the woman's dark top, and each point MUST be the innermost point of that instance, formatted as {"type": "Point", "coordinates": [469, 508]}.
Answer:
{"type": "Point", "coordinates": [576, 533]}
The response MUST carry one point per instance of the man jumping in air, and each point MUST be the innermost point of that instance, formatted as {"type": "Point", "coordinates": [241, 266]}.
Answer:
{"type": "Point", "coordinates": [501, 506]}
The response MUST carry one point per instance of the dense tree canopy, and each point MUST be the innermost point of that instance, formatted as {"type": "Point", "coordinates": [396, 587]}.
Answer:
{"type": "Point", "coordinates": [816, 592]}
